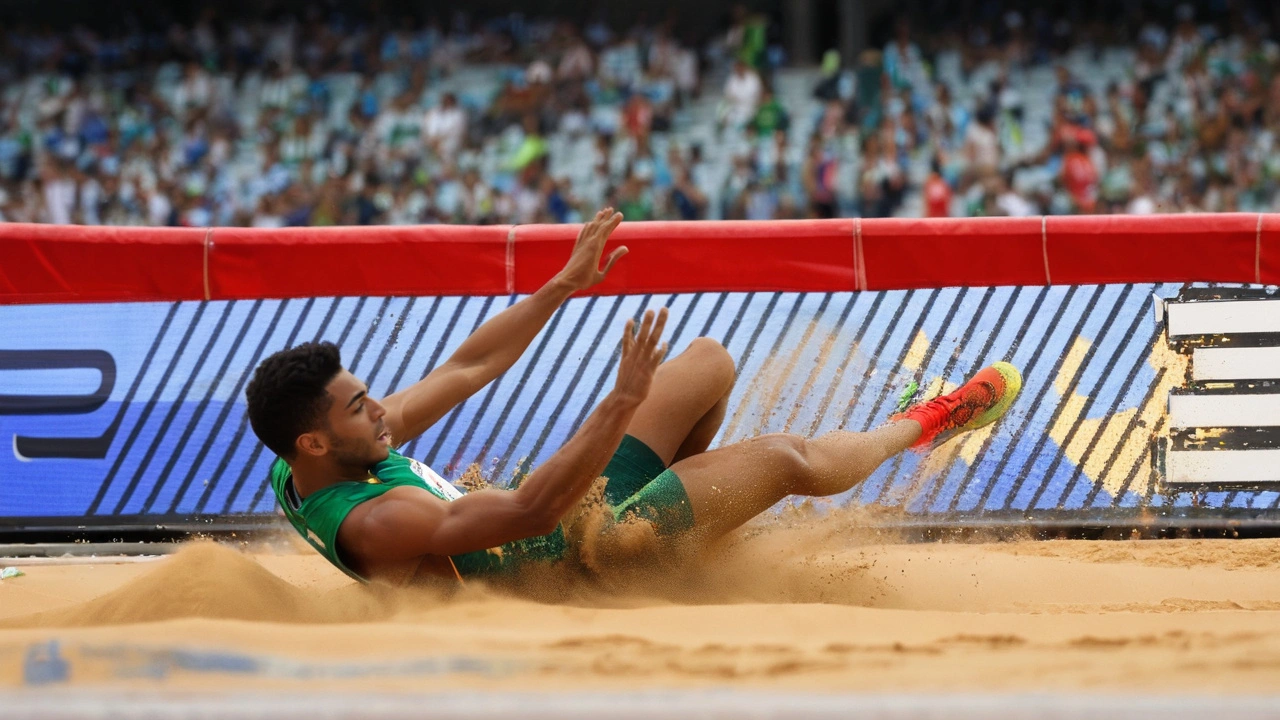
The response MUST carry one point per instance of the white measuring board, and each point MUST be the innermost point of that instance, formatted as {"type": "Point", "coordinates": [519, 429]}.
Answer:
{"type": "Point", "coordinates": [1195, 467]}
{"type": "Point", "coordinates": [1227, 363]}
{"type": "Point", "coordinates": [1224, 410]}
{"type": "Point", "coordinates": [1222, 317]}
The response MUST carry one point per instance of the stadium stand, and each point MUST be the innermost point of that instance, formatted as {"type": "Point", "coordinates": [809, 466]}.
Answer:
{"type": "Point", "coordinates": [324, 121]}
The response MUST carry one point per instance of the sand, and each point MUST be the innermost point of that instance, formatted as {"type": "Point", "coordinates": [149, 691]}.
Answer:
{"type": "Point", "coordinates": [797, 603]}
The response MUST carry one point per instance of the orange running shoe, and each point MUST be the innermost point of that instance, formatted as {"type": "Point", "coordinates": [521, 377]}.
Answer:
{"type": "Point", "coordinates": [977, 403]}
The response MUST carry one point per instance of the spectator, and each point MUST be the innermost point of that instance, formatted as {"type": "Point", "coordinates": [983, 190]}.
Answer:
{"type": "Point", "coordinates": [59, 194]}
{"type": "Point", "coordinates": [532, 146]}
{"type": "Point", "coordinates": [869, 81]}
{"type": "Point", "coordinates": [1010, 202]}
{"type": "Point", "coordinates": [328, 208]}
{"type": "Point", "coordinates": [883, 182]}
{"type": "Point", "coordinates": [268, 213]}
{"type": "Point", "coordinates": [195, 92]}
{"type": "Point", "coordinates": [759, 202]}
{"type": "Point", "coordinates": [368, 208]}
{"type": "Point", "coordinates": [89, 196]}
{"type": "Point", "coordinates": [828, 86]}
{"type": "Point", "coordinates": [742, 93]}
{"type": "Point", "coordinates": [633, 200]}
{"type": "Point", "coordinates": [689, 202]}
{"type": "Point", "coordinates": [982, 145]}
{"type": "Point", "coordinates": [664, 55]}
{"type": "Point", "coordinates": [620, 64]}
{"type": "Point", "coordinates": [820, 181]}
{"type": "Point", "coordinates": [946, 122]}
{"type": "Point", "coordinates": [577, 63]}
{"type": "Point", "coordinates": [685, 74]}
{"type": "Point", "coordinates": [735, 36]}
{"type": "Point", "coordinates": [937, 193]}
{"type": "Point", "coordinates": [477, 206]}
{"type": "Point", "coordinates": [638, 116]}
{"type": "Point", "coordinates": [903, 61]}
{"type": "Point", "coordinates": [752, 39]}
{"type": "Point", "coordinates": [1144, 202]}
{"type": "Point", "coordinates": [159, 207]}
{"type": "Point", "coordinates": [399, 128]}
{"type": "Point", "coordinates": [770, 117]}
{"type": "Point", "coordinates": [444, 128]}
{"type": "Point", "coordinates": [1080, 176]}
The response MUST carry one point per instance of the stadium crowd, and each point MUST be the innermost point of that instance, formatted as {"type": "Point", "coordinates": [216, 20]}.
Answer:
{"type": "Point", "coordinates": [325, 121]}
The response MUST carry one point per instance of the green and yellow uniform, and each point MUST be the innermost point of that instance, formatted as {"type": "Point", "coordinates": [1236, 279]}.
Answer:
{"type": "Point", "coordinates": [639, 485]}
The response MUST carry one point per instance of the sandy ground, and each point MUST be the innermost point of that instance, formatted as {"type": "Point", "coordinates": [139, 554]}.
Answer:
{"type": "Point", "coordinates": [794, 605]}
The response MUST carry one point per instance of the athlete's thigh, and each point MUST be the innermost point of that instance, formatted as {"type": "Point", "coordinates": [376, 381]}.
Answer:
{"type": "Point", "coordinates": [684, 389]}
{"type": "Point", "coordinates": [728, 486]}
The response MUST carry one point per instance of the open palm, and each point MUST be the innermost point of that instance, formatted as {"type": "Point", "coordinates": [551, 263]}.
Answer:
{"type": "Point", "coordinates": [583, 269]}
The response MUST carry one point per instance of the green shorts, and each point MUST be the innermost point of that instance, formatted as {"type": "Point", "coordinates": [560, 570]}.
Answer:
{"type": "Point", "coordinates": [641, 485]}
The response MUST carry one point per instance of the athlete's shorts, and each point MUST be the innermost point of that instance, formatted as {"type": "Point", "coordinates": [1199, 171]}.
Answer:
{"type": "Point", "coordinates": [641, 485]}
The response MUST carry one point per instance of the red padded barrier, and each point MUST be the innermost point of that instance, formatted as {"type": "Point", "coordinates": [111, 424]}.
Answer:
{"type": "Point", "coordinates": [936, 253]}
{"type": "Point", "coordinates": [42, 263]}
{"type": "Point", "coordinates": [373, 261]}
{"type": "Point", "coordinates": [1134, 249]}
{"type": "Point", "coordinates": [795, 255]}
{"type": "Point", "coordinates": [74, 263]}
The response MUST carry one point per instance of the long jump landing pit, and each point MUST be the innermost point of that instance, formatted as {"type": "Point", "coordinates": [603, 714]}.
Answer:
{"type": "Point", "coordinates": [798, 613]}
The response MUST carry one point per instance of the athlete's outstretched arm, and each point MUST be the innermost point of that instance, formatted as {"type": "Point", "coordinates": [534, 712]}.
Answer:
{"type": "Point", "coordinates": [407, 522]}
{"type": "Point", "coordinates": [496, 345]}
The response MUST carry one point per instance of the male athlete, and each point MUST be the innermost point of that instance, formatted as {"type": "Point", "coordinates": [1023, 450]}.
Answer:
{"type": "Point", "coordinates": [376, 514]}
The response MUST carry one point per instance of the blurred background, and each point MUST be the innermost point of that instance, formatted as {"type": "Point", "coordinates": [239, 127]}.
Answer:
{"type": "Point", "coordinates": [336, 113]}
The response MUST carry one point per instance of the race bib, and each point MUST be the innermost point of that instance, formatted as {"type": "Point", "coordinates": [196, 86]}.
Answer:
{"type": "Point", "coordinates": [438, 485]}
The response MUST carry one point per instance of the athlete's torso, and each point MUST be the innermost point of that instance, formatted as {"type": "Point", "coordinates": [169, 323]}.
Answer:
{"type": "Point", "coordinates": [318, 516]}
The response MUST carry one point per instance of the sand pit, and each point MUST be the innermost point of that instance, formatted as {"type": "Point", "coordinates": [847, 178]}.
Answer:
{"type": "Point", "coordinates": [795, 604]}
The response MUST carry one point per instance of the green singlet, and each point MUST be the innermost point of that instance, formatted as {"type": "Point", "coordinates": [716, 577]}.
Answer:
{"type": "Point", "coordinates": [639, 485]}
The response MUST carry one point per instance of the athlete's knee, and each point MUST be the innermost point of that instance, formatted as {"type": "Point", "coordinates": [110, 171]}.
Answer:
{"type": "Point", "coordinates": [788, 455]}
{"type": "Point", "coordinates": [712, 356]}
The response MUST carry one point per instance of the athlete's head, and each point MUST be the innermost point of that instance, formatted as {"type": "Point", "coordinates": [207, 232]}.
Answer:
{"type": "Point", "coordinates": [303, 402]}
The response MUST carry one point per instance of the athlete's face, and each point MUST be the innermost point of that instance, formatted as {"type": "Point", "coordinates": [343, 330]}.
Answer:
{"type": "Point", "coordinates": [356, 434]}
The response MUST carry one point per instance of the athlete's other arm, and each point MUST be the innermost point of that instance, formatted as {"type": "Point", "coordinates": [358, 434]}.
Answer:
{"type": "Point", "coordinates": [407, 522]}
{"type": "Point", "coordinates": [496, 345]}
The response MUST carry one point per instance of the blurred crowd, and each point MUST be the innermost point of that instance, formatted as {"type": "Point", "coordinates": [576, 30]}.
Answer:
{"type": "Point", "coordinates": [325, 121]}
{"type": "Point", "coordinates": [1020, 113]}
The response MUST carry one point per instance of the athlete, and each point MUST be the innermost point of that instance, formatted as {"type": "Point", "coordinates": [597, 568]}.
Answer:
{"type": "Point", "coordinates": [376, 514]}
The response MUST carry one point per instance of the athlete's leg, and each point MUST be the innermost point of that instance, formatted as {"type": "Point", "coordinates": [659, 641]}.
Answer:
{"type": "Point", "coordinates": [730, 485]}
{"type": "Point", "coordinates": [707, 495]}
{"type": "Point", "coordinates": [686, 403]}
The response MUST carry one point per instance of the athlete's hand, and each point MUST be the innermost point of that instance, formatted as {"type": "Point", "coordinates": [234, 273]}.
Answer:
{"type": "Point", "coordinates": [641, 354]}
{"type": "Point", "coordinates": [583, 269]}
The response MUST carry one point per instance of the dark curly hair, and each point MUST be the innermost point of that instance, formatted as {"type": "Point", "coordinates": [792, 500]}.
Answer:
{"type": "Point", "coordinates": [287, 395]}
